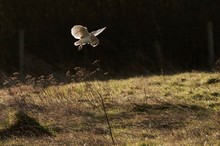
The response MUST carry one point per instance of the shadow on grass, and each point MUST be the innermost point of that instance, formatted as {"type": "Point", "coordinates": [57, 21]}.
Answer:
{"type": "Point", "coordinates": [161, 116]}
{"type": "Point", "coordinates": [164, 116]}
{"type": "Point", "coordinates": [170, 116]}
{"type": "Point", "coordinates": [25, 126]}
{"type": "Point", "coordinates": [166, 106]}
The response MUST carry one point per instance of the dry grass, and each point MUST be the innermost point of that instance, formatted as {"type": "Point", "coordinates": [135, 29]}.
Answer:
{"type": "Point", "coordinates": [180, 109]}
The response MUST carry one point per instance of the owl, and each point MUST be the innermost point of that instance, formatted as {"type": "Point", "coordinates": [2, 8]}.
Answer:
{"type": "Point", "coordinates": [80, 32]}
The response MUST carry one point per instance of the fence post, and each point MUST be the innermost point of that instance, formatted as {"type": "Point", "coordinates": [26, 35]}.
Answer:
{"type": "Point", "coordinates": [210, 43]}
{"type": "Point", "coordinates": [21, 50]}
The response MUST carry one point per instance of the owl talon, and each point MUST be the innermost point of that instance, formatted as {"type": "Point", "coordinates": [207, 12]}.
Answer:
{"type": "Point", "coordinates": [80, 47]}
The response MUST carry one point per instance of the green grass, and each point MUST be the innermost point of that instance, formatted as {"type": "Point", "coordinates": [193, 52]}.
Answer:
{"type": "Point", "coordinates": [179, 109]}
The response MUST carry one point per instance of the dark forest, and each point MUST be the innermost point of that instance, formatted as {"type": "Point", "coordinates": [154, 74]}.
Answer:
{"type": "Point", "coordinates": [143, 36]}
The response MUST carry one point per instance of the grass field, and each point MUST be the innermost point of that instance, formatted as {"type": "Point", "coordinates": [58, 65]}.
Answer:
{"type": "Point", "coordinates": [178, 109]}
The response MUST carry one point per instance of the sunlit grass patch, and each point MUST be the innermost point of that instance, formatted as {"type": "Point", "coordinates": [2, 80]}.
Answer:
{"type": "Point", "coordinates": [179, 109]}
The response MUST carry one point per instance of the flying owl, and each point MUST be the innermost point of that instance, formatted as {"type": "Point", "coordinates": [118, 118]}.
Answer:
{"type": "Point", "coordinates": [80, 32]}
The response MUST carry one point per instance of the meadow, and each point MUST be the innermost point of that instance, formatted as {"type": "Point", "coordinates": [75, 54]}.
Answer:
{"type": "Point", "coordinates": [175, 109]}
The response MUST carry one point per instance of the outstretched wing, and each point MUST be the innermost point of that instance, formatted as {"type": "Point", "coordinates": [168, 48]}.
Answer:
{"type": "Point", "coordinates": [79, 31]}
{"type": "Point", "coordinates": [97, 32]}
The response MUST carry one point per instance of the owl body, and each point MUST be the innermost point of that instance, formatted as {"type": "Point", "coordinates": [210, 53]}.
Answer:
{"type": "Point", "coordinates": [80, 32]}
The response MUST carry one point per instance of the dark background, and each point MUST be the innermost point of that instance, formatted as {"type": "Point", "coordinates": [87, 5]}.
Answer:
{"type": "Point", "coordinates": [142, 36]}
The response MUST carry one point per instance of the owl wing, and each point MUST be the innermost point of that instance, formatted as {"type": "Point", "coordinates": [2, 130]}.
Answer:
{"type": "Point", "coordinates": [97, 32]}
{"type": "Point", "coordinates": [79, 32]}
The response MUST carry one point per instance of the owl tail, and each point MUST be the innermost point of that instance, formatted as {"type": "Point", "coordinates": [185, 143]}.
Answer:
{"type": "Point", "coordinates": [94, 41]}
